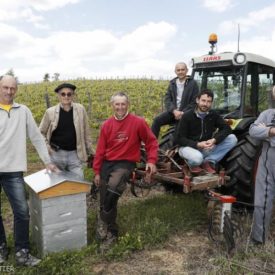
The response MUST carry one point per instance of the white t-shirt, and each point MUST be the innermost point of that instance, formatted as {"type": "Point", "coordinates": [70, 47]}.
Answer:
{"type": "Point", "coordinates": [180, 89]}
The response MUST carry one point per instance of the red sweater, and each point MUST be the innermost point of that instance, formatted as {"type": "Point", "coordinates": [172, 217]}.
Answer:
{"type": "Point", "coordinates": [121, 140]}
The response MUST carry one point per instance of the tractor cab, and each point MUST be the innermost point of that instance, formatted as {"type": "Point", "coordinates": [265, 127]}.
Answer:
{"type": "Point", "coordinates": [240, 81]}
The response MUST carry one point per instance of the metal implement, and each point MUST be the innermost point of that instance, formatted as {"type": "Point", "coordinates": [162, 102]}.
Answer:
{"type": "Point", "coordinates": [223, 227]}
{"type": "Point", "coordinates": [173, 170]}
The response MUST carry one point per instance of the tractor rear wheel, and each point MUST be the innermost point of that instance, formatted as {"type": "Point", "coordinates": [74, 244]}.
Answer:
{"type": "Point", "coordinates": [241, 165]}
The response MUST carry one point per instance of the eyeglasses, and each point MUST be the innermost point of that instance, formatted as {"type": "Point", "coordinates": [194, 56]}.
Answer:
{"type": "Point", "coordinates": [66, 94]}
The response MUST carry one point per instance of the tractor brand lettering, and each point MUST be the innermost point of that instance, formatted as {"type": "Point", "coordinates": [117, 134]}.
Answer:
{"type": "Point", "coordinates": [211, 58]}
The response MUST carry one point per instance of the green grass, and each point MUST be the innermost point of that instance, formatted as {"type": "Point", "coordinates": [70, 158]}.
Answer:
{"type": "Point", "coordinates": [149, 223]}
{"type": "Point", "coordinates": [143, 224]}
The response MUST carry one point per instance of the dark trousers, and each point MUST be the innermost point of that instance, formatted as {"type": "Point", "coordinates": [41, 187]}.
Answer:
{"type": "Point", "coordinates": [13, 185]}
{"type": "Point", "coordinates": [162, 119]}
{"type": "Point", "coordinates": [114, 178]}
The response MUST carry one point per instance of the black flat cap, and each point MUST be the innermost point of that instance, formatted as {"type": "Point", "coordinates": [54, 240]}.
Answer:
{"type": "Point", "coordinates": [65, 85]}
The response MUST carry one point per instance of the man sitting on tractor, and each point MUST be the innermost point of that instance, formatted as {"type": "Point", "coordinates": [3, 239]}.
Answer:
{"type": "Point", "coordinates": [203, 135]}
{"type": "Point", "coordinates": [180, 97]}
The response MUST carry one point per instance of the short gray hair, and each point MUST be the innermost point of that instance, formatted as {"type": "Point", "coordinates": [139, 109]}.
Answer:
{"type": "Point", "coordinates": [181, 63]}
{"type": "Point", "coordinates": [121, 94]}
{"type": "Point", "coordinates": [11, 77]}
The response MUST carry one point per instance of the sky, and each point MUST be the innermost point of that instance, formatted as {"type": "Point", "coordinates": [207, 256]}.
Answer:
{"type": "Point", "coordinates": [125, 38]}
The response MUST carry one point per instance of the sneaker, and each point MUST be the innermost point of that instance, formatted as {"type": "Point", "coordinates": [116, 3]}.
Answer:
{"type": "Point", "coordinates": [207, 167]}
{"type": "Point", "coordinates": [3, 253]}
{"type": "Point", "coordinates": [196, 169]}
{"type": "Point", "coordinates": [24, 258]}
{"type": "Point", "coordinates": [101, 229]}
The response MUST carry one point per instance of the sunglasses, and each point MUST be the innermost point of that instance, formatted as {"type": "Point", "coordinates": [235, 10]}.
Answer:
{"type": "Point", "coordinates": [66, 94]}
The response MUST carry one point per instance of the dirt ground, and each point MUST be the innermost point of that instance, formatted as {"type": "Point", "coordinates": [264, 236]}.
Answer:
{"type": "Point", "coordinates": [191, 253]}
{"type": "Point", "coordinates": [194, 253]}
{"type": "Point", "coordinates": [181, 254]}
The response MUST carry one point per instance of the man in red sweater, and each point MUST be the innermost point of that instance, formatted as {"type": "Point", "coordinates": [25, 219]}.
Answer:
{"type": "Point", "coordinates": [118, 150]}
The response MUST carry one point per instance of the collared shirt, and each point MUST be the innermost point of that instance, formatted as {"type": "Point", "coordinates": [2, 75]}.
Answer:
{"type": "Point", "coordinates": [6, 107]}
{"type": "Point", "coordinates": [15, 126]}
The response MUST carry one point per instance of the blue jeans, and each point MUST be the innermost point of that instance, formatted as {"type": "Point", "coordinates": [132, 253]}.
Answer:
{"type": "Point", "coordinates": [195, 157]}
{"type": "Point", "coordinates": [13, 185]}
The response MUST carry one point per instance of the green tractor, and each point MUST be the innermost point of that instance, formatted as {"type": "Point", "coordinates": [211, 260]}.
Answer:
{"type": "Point", "coordinates": [241, 83]}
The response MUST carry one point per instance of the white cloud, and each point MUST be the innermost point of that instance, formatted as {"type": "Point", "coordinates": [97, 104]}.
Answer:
{"type": "Point", "coordinates": [145, 41]}
{"type": "Point", "coordinates": [15, 15]}
{"type": "Point", "coordinates": [148, 67]}
{"type": "Point", "coordinates": [218, 5]}
{"type": "Point", "coordinates": [82, 44]}
{"type": "Point", "coordinates": [75, 54]}
{"type": "Point", "coordinates": [262, 45]}
{"type": "Point", "coordinates": [29, 10]}
{"type": "Point", "coordinates": [253, 19]}
{"type": "Point", "coordinates": [38, 5]}
{"type": "Point", "coordinates": [45, 5]}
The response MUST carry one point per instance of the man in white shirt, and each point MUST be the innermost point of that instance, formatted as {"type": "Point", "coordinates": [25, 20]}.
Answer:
{"type": "Point", "coordinates": [179, 98]}
{"type": "Point", "coordinates": [16, 124]}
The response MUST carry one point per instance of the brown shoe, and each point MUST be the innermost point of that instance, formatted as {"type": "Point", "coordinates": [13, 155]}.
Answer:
{"type": "Point", "coordinates": [196, 169]}
{"type": "Point", "coordinates": [208, 168]}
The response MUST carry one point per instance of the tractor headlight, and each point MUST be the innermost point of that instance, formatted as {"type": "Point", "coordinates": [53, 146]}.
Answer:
{"type": "Point", "coordinates": [239, 58]}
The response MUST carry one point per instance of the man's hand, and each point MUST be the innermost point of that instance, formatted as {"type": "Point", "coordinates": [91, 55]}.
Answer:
{"type": "Point", "coordinates": [261, 125]}
{"type": "Point", "coordinates": [177, 114]}
{"type": "Point", "coordinates": [208, 144]}
{"type": "Point", "coordinates": [271, 132]}
{"type": "Point", "coordinates": [51, 151]}
{"type": "Point", "coordinates": [151, 168]}
{"type": "Point", "coordinates": [202, 145]}
{"type": "Point", "coordinates": [97, 180]}
{"type": "Point", "coordinates": [51, 167]}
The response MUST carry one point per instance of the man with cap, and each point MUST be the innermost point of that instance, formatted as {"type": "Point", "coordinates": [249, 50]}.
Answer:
{"type": "Point", "coordinates": [66, 131]}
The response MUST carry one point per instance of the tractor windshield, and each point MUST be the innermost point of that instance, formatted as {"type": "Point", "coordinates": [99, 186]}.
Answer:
{"type": "Point", "coordinates": [226, 84]}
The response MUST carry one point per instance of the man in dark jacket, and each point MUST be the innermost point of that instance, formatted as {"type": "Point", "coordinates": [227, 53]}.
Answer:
{"type": "Point", "coordinates": [203, 135]}
{"type": "Point", "coordinates": [180, 97]}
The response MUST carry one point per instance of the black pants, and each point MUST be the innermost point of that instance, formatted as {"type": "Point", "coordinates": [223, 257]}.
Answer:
{"type": "Point", "coordinates": [162, 119]}
{"type": "Point", "coordinates": [114, 178]}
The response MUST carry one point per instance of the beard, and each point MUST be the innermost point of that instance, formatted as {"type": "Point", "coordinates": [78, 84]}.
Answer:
{"type": "Point", "coordinates": [203, 109]}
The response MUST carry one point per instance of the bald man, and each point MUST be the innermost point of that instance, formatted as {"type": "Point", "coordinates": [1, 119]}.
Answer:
{"type": "Point", "coordinates": [179, 98]}
{"type": "Point", "coordinates": [16, 123]}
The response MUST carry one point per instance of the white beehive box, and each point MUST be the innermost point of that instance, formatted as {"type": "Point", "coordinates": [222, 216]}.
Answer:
{"type": "Point", "coordinates": [58, 211]}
